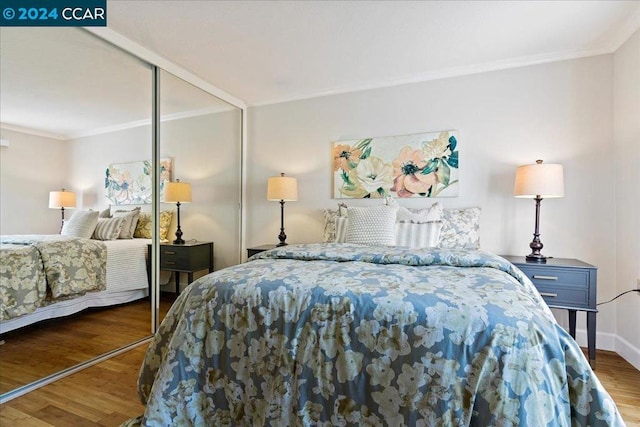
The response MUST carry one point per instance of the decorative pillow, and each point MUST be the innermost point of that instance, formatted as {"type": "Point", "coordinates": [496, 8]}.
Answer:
{"type": "Point", "coordinates": [106, 213]}
{"type": "Point", "coordinates": [329, 216]}
{"type": "Point", "coordinates": [341, 224]}
{"type": "Point", "coordinates": [130, 222]}
{"type": "Point", "coordinates": [108, 228]}
{"type": "Point", "coordinates": [422, 235]}
{"type": "Point", "coordinates": [460, 229]}
{"type": "Point", "coordinates": [372, 225]}
{"type": "Point", "coordinates": [144, 228]}
{"type": "Point", "coordinates": [81, 224]}
{"type": "Point", "coordinates": [418, 216]}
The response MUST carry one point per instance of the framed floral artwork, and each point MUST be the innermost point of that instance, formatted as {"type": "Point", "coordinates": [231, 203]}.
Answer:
{"type": "Point", "coordinates": [419, 165]}
{"type": "Point", "coordinates": [131, 183]}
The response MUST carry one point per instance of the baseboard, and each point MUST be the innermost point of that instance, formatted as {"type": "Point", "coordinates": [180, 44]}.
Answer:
{"type": "Point", "coordinates": [628, 352]}
{"type": "Point", "coordinates": [612, 342]}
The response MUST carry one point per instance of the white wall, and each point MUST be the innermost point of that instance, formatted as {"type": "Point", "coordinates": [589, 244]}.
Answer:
{"type": "Point", "coordinates": [560, 112]}
{"type": "Point", "coordinates": [626, 132]}
{"type": "Point", "coordinates": [30, 168]}
{"type": "Point", "coordinates": [205, 152]}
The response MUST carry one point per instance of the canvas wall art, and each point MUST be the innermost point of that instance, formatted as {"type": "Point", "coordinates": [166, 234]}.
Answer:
{"type": "Point", "coordinates": [131, 183]}
{"type": "Point", "coordinates": [419, 165]}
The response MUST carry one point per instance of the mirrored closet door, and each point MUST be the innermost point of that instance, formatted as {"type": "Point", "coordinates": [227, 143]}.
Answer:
{"type": "Point", "coordinates": [200, 138]}
{"type": "Point", "coordinates": [76, 114]}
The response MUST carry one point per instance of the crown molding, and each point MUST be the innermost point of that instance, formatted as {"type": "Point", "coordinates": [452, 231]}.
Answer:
{"type": "Point", "coordinates": [446, 73]}
{"type": "Point", "coordinates": [30, 131]}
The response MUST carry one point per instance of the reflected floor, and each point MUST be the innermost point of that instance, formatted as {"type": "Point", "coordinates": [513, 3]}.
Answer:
{"type": "Point", "coordinates": [42, 349]}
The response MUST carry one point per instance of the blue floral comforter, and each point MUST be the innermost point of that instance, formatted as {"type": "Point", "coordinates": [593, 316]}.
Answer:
{"type": "Point", "coordinates": [338, 334]}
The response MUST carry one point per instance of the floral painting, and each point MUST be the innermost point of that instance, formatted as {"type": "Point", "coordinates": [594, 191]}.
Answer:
{"type": "Point", "coordinates": [131, 183]}
{"type": "Point", "coordinates": [419, 165]}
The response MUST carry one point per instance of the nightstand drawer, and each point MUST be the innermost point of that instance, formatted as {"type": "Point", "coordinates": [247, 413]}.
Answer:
{"type": "Point", "coordinates": [560, 287]}
{"type": "Point", "coordinates": [173, 258]}
{"type": "Point", "coordinates": [562, 295]}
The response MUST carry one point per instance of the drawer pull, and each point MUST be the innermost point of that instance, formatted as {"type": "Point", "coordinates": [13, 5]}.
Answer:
{"type": "Point", "coordinates": [170, 262]}
{"type": "Point", "coordinates": [545, 277]}
{"type": "Point", "coordinates": [170, 252]}
{"type": "Point", "coordinates": [548, 294]}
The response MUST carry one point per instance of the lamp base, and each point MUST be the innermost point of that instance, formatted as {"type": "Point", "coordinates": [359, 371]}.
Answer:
{"type": "Point", "coordinates": [179, 240]}
{"type": "Point", "coordinates": [540, 259]}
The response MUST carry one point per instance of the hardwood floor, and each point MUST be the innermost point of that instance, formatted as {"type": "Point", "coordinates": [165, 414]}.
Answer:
{"type": "Point", "coordinates": [42, 349]}
{"type": "Point", "coordinates": [39, 350]}
{"type": "Point", "coordinates": [105, 394]}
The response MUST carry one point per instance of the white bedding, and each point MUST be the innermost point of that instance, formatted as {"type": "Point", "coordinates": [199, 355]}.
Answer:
{"type": "Point", "coordinates": [126, 281]}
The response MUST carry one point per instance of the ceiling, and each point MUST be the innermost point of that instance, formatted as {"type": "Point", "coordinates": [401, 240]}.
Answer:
{"type": "Point", "coordinates": [272, 51]}
{"type": "Point", "coordinates": [265, 52]}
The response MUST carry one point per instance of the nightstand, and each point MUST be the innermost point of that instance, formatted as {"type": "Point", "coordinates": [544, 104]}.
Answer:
{"type": "Point", "coordinates": [187, 258]}
{"type": "Point", "coordinates": [568, 284]}
{"type": "Point", "coordinates": [257, 249]}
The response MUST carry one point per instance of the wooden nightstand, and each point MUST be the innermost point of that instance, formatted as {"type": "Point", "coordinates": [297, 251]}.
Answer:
{"type": "Point", "coordinates": [187, 258]}
{"type": "Point", "coordinates": [567, 284]}
{"type": "Point", "coordinates": [257, 249]}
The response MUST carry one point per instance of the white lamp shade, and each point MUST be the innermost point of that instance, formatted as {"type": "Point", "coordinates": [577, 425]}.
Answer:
{"type": "Point", "coordinates": [282, 188]}
{"type": "Point", "coordinates": [541, 179]}
{"type": "Point", "coordinates": [62, 199]}
{"type": "Point", "coordinates": [177, 192]}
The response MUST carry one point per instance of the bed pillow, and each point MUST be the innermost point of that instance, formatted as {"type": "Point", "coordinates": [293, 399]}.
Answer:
{"type": "Point", "coordinates": [460, 228]}
{"type": "Point", "coordinates": [108, 228]}
{"type": "Point", "coordinates": [422, 235]}
{"type": "Point", "coordinates": [419, 216]}
{"type": "Point", "coordinates": [106, 213]}
{"type": "Point", "coordinates": [412, 235]}
{"type": "Point", "coordinates": [144, 228]}
{"type": "Point", "coordinates": [372, 225]}
{"type": "Point", "coordinates": [330, 216]}
{"type": "Point", "coordinates": [130, 222]}
{"type": "Point", "coordinates": [81, 224]}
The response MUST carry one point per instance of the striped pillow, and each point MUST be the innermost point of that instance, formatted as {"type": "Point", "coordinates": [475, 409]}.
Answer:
{"type": "Point", "coordinates": [108, 228]}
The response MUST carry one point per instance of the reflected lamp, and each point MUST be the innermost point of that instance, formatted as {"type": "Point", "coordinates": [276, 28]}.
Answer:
{"type": "Point", "coordinates": [60, 200]}
{"type": "Point", "coordinates": [177, 192]}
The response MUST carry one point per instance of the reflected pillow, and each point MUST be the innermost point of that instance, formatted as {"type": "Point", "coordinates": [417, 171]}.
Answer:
{"type": "Point", "coordinates": [144, 228]}
{"type": "Point", "coordinates": [81, 224]}
{"type": "Point", "coordinates": [130, 222]}
{"type": "Point", "coordinates": [108, 228]}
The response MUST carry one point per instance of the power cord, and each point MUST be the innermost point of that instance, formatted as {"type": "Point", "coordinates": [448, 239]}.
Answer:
{"type": "Point", "coordinates": [618, 296]}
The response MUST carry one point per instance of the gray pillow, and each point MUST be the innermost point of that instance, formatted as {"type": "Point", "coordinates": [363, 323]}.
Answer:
{"type": "Point", "coordinates": [81, 224]}
{"type": "Point", "coordinates": [130, 219]}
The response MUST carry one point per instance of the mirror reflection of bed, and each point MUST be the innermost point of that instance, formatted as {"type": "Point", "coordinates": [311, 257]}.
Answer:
{"type": "Point", "coordinates": [63, 131]}
{"type": "Point", "coordinates": [51, 104]}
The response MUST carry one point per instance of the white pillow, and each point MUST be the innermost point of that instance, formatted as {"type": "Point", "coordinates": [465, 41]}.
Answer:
{"type": "Point", "coordinates": [431, 214]}
{"type": "Point", "coordinates": [423, 235]}
{"type": "Point", "coordinates": [108, 228]}
{"type": "Point", "coordinates": [372, 225]}
{"type": "Point", "coordinates": [341, 229]}
{"type": "Point", "coordinates": [81, 224]}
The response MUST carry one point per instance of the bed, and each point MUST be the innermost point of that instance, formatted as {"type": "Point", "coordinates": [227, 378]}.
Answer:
{"type": "Point", "coordinates": [349, 334]}
{"type": "Point", "coordinates": [49, 276]}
